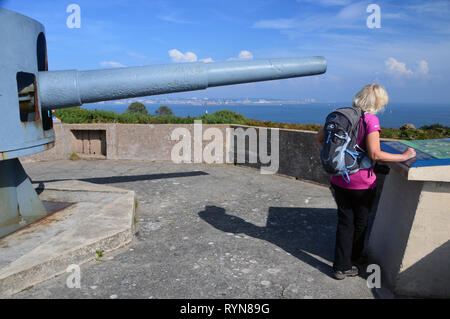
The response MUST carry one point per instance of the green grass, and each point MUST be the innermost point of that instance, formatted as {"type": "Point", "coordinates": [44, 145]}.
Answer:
{"type": "Point", "coordinates": [74, 156]}
{"type": "Point", "coordinates": [80, 115]}
{"type": "Point", "coordinates": [99, 254]}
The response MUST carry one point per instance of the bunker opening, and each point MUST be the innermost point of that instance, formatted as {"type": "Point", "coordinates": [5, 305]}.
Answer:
{"type": "Point", "coordinates": [28, 104]}
{"type": "Point", "coordinates": [42, 63]}
{"type": "Point", "coordinates": [89, 143]}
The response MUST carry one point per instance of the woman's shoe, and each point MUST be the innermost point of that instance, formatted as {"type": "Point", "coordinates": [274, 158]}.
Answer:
{"type": "Point", "coordinates": [348, 273]}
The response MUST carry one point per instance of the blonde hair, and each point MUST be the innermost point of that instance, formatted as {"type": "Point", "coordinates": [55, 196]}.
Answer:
{"type": "Point", "coordinates": [372, 98]}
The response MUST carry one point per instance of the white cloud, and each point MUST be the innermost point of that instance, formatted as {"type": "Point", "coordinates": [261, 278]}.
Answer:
{"type": "Point", "coordinates": [328, 2]}
{"type": "Point", "coordinates": [177, 56]}
{"type": "Point", "coordinates": [245, 55]}
{"type": "Point", "coordinates": [347, 16]}
{"type": "Point", "coordinates": [207, 60]}
{"type": "Point", "coordinates": [277, 24]}
{"type": "Point", "coordinates": [423, 67]}
{"type": "Point", "coordinates": [353, 12]}
{"type": "Point", "coordinates": [111, 64]}
{"type": "Point", "coordinates": [174, 18]}
{"type": "Point", "coordinates": [438, 8]}
{"type": "Point", "coordinates": [396, 67]}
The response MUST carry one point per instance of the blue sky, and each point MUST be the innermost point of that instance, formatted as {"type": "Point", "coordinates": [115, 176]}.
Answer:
{"type": "Point", "coordinates": [409, 54]}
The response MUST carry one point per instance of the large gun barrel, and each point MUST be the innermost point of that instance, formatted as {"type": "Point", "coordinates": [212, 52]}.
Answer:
{"type": "Point", "coordinates": [28, 91]}
{"type": "Point", "coordinates": [58, 89]}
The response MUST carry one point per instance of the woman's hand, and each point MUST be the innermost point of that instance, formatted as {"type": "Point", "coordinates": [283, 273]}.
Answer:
{"type": "Point", "coordinates": [409, 153]}
{"type": "Point", "coordinates": [375, 153]}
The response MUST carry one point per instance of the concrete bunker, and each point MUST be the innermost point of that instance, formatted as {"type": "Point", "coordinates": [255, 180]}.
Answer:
{"type": "Point", "coordinates": [89, 143]}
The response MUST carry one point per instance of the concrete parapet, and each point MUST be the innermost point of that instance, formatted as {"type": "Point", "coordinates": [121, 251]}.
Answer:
{"type": "Point", "coordinates": [299, 156]}
{"type": "Point", "coordinates": [151, 142]}
{"type": "Point", "coordinates": [411, 235]}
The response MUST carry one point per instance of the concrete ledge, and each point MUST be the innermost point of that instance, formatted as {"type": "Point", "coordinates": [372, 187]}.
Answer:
{"type": "Point", "coordinates": [423, 173]}
{"type": "Point", "coordinates": [101, 218]}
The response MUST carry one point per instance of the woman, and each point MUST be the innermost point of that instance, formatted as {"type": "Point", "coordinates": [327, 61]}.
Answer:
{"type": "Point", "coordinates": [354, 199]}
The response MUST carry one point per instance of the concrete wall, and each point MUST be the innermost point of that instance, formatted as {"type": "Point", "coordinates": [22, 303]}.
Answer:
{"type": "Point", "coordinates": [123, 141]}
{"type": "Point", "coordinates": [150, 142]}
{"type": "Point", "coordinates": [298, 153]}
{"type": "Point", "coordinates": [410, 238]}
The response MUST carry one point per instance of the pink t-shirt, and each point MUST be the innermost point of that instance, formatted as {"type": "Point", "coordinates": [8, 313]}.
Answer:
{"type": "Point", "coordinates": [364, 178]}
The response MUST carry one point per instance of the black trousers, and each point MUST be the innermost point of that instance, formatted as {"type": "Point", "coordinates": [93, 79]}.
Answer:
{"type": "Point", "coordinates": [353, 211]}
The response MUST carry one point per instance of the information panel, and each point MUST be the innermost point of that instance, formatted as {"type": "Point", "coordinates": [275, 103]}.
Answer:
{"type": "Point", "coordinates": [429, 152]}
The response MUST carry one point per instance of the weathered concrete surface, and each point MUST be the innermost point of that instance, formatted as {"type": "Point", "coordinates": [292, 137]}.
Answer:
{"type": "Point", "coordinates": [423, 173]}
{"type": "Point", "coordinates": [298, 153]}
{"type": "Point", "coordinates": [209, 231]}
{"type": "Point", "coordinates": [150, 142]}
{"type": "Point", "coordinates": [100, 218]}
{"type": "Point", "coordinates": [410, 239]}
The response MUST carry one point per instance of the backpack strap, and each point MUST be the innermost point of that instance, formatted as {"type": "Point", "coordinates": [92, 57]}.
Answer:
{"type": "Point", "coordinates": [363, 113]}
{"type": "Point", "coordinates": [363, 116]}
{"type": "Point", "coordinates": [370, 171]}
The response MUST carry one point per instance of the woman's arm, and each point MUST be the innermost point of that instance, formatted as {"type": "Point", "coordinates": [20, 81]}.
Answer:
{"type": "Point", "coordinates": [376, 154]}
{"type": "Point", "coordinates": [320, 138]}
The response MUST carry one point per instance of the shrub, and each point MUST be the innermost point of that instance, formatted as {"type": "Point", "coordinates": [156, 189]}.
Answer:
{"type": "Point", "coordinates": [137, 108]}
{"type": "Point", "coordinates": [80, 115]}
{"type": "Point", "coordinates": [164, 110]}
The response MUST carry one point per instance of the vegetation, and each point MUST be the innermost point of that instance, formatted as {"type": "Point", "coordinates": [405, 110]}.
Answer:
{"type": "Point", "coordinates": [74, 156]}
{"type": "Point", "coordinates": [99, 253]}
{"type": "Point", "coordinates": [164, 111]}
{"type": "Point", "coordinates": [137, 108]}
{"type": "Point", "coordinates": [80, 115]}
{"type": "Point", "coordinates": [422, 133]}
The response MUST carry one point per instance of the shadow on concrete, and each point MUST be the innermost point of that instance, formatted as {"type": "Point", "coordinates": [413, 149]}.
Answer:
{"type": "Point", "coordinates": [427, 278]}
{"type": "Point", "coordinates": [430, 276]}
{"type": "Point", "coordinates": [302, 232]}
{"type": "Point", "coordinates": [122, 179]}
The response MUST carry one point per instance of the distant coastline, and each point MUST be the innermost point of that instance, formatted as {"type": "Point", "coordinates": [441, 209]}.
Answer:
{"type": "Point", "coordinates": [137, 114]}
{"type": "Point", "coordinates": [300, 112]}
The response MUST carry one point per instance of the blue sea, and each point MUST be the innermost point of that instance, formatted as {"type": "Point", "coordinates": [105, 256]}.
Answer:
{"type": "Point", "coordinates": [394, 115]}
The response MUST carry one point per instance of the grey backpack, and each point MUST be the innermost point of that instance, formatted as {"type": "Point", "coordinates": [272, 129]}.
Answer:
{"type": "Point", "coordinates": [340, 155]}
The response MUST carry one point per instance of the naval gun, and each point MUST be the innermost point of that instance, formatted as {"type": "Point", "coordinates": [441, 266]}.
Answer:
{"type": "Point", "coordinates": [28, 93]}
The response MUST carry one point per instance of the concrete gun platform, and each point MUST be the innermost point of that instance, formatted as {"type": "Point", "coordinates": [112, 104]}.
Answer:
{"type": "Point", "coordinates": [208, 231]}
{"type": "Point", "coordinates": [83, 218]}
